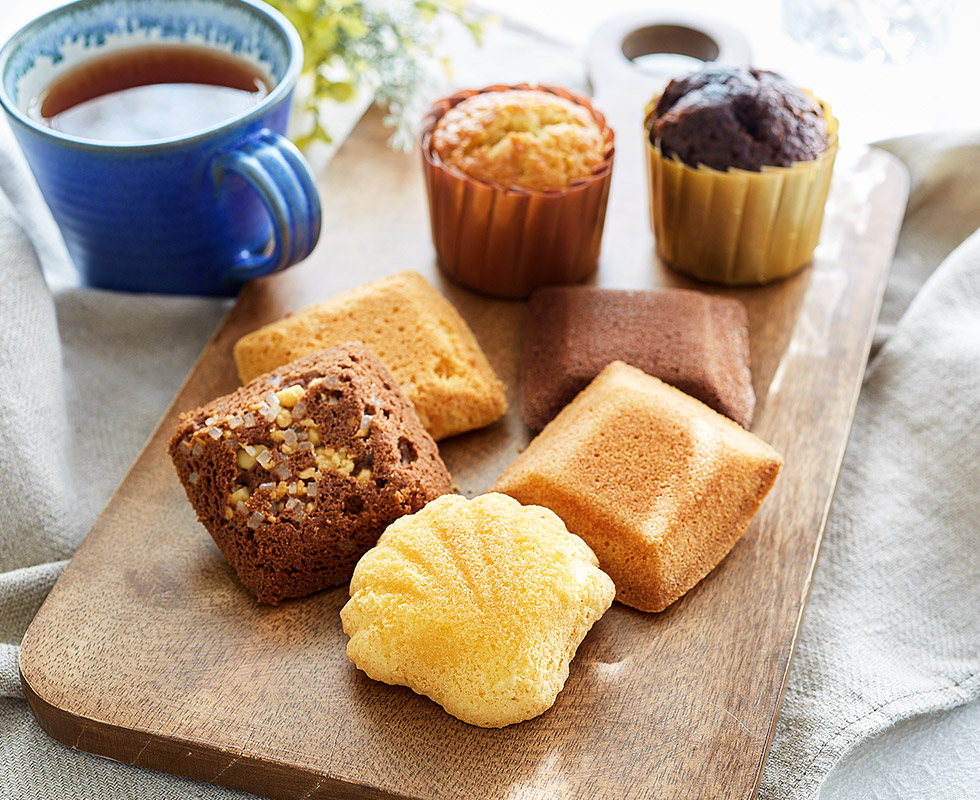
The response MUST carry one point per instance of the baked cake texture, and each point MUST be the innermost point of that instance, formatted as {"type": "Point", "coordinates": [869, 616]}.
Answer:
{"type": "Point", "coordinates": [413, 329]}
{"type": "Point", "coordinates": [692, 340]}
{"type": "Point", "coordinates": [740, 117]}
{"type": "Point", "coordinates": [524, 138]}
{"type": "Point", "coordinates": [660, 486]}
{"type": "Point", "coordinates": [297, 474]}
{"type": "Point", "coordinates": [477, 604]}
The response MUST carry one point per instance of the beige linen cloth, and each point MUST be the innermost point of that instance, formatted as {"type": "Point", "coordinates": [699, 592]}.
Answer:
{"type": "Point", "coordinates": [893, 625]}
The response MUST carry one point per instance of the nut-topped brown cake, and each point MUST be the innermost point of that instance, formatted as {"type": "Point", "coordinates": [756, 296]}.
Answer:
{"type": "Point", "coordinates": [296, 474]}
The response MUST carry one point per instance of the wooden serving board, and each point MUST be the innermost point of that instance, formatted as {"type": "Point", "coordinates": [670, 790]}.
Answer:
{"type": "Point", "coordinates": [149, 651]}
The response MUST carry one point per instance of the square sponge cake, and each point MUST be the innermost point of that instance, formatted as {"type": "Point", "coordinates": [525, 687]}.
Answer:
{"type": "Point", "coordinates": [660, 486]}
{"type": "Point", "coordinates": [695, 341]}
{"type": "Point", "coordinates": [413, 329]}
{"type": "Point", "coordinates": [477, 604]}
{"type": "Point", "coordinates": [298, 473]}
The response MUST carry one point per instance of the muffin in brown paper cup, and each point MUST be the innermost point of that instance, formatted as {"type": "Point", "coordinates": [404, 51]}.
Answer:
{"type": "Point", "coordinates": [738, 227]}
{"type": "Point", "coordinates": [504, 240]}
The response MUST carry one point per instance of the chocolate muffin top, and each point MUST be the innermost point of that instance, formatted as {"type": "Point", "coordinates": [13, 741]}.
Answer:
{"type": "Point", "coordinates": [737, 117]}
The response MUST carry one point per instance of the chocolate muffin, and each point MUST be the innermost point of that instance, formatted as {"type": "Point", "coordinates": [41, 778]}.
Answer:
{"type": "Point", "coordinates": [297, 474]}
{"type": "Point", "coordinates": [739, 164]}
{"type": "Point", "coordinates": [740, 117]}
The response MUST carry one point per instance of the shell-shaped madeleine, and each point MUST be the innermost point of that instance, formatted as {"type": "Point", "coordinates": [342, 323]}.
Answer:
{"type": "Point", "coordinates": [477, 604]}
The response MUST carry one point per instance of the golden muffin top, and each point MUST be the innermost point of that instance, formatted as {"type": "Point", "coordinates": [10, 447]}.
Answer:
{"type": "Point", "coordinates": [520, 138]}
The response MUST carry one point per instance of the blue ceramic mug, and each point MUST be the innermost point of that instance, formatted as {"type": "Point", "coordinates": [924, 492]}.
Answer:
{"type": "Point", "coordinates": [198, 213]}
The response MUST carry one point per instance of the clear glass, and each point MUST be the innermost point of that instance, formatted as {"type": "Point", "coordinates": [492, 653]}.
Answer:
{"type": "Point", "coordinates": [879, 31]}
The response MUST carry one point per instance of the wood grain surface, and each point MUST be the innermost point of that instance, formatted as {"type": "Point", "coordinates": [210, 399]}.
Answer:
{"type": "Point", "coordinates": [149, 651]}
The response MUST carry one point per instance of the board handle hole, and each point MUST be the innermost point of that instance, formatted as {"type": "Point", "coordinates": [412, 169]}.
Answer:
{"type": "Point", "coordinates": [669, 49]}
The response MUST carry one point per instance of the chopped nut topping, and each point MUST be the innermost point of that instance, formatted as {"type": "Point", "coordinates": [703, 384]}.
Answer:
{"type": "Point", "coordinates": [292, 431]}
{"type": "Point", "coordinates": [338, 460]}
{"type": "Point", "coordinates": [240, 495]}
{"type": "Point", "coordinates": [291, 395]}
{"type": "Point", "coordinates": [250, 454]}
{"type": "Point", "coordinates": [362, 430]}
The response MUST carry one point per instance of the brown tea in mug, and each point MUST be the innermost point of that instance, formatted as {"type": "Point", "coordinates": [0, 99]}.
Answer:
{"type": "Point", "coordinates": [148, 93]}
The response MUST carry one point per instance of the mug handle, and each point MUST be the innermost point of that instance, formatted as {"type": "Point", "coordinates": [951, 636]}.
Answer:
{"type": "Point", "coordinates": [273, 166]}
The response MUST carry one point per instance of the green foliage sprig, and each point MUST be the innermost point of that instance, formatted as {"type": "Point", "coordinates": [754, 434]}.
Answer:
{"type": "Point", "coordinates": [386, 48]}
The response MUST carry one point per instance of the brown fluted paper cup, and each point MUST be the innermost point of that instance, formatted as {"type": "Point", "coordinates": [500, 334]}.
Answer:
{"type": "Point", "coordinates": [505, 241]}
{"type": "Point", "coordinates": [738, 227]}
